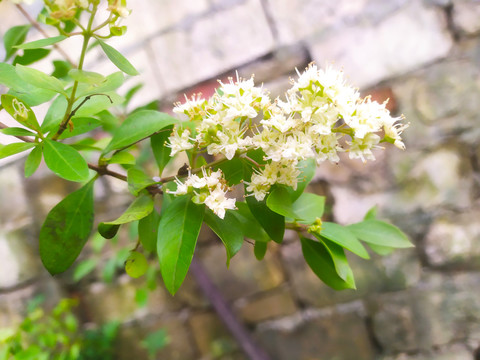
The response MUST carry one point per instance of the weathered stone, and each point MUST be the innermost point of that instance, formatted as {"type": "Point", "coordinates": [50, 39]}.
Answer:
{"type": "Point", "coordinates": [180, 344]}
{"type": "Point", "coordinates": [18, 260]}
{"type": "Point", "coordinates": [337, 335]}
{"type": "Point", "coordinates": [273, 304]}
{"type": "Point", "coordinates": [306, 22]}
{"type": "Point", "coordinates": [404, 41]}
{"type": "Point", "coordinates": [454, 241]}
{"type": "Point", "coordinates": [442, 177]}
{"type": "Point", "coordinates": [15, 211]}
{"type": "Point", "coordinates": [212, 45]}
{"type": "Point", "coordinates": [212, 338]}
{"type": "Point", "coordinates": [437, 312]}
{"type": "Point", "coordinates": [454, 352]}
{"type": "Point", "coordinates": [466, 16]}
{"type": "Point", "coordinates": [246, 275]}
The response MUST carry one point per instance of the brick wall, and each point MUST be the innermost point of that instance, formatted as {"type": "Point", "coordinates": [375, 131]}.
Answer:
{"type": "Point", "coordinates": [415, 304]}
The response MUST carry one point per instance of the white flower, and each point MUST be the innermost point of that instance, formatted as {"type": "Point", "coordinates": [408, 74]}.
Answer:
{"type": "Point", "coordinates": [180, 143]}
{"type": "Point", "coordinates": [218, 202]}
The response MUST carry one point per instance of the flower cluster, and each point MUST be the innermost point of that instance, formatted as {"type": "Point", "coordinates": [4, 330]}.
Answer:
{"type": "Point", "coordinates": [320, 116]}
{"type": "Point", "coordinates": [210, 189]}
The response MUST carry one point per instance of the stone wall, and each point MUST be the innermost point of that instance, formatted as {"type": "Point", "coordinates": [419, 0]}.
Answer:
{"type": "Point", "coordinates": [415, 304]}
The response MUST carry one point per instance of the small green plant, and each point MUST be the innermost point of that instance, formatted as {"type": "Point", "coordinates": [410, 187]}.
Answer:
{"type": "Point", "coordinates": [268, 149]}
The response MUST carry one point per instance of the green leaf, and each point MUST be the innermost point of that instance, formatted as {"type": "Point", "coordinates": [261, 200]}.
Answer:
{"type": "Point", "coordinates": [61, 68]}
{"type": "Point", "coordinates": [138, 126]}
{"type": "Point", "coordinates": [81, 125]}
{"type": "Point", "coordinates": [250, 227]}
{"type": "Point", "coordinates": [307, 207]}
{"type": "Point", "coordinates": [97, 104]}
{"type": "Point", "coordinates": [148, 231]}
{"type": "Point", "coordinates": [40, 79]}
{"type": "Point", "coordinates": [380, 233]}
{"type": "Point", "coordinates": [371, 214]}
{"type": "Point", "coordinates": [232, 170]}
{"type": "Point", "coordinates": [177, 237]}
{"type": "Point", "coordinates": [108, 231]}
{"type": "Point", "coordinates": [320, 261]}
{"type": "Point", "coordinates": [122, 157]}
{"type": "Point", "coordinates": [16, 131]}
{"type": "Point", "coordinates": [141, 297]}
{"type": "Point", "coordinates": [15, 148]}
{"type": "Point", "coordinates": [339, 259]}
{"type": "Point", "coordinates": [138, 209]}
{"type": "Point", "coordinates": [55, 114]}
{"type": "Point", "coordinates": [228, 230]}
{"type": "Point", "coordinates": [33, 160]}
{"type": "Point", "coordinates": [108, 84]}
{"type": "Point", "coordinates": [307, 171]}
{"type": "Point", "coordinates": [66, 230]}
{"type": "Point", "coordinates": [41, 43]}
{"type": "Point", "coordinates": [65, 161]}
{"type": "Point", "coordinates": [118, 59]}
{"type": "Point", "coordinates": [84, 268]}
{"type": "Point", "coordinates": [88, 77]}
{"type": "Point", "coordinates": [381, 250]}
{"type": "Point", "coordinates": [137, 180]}
{"type": "Point", "coordinates": [30, 94]}
{"type": "Point", "coordinates": [14, 36]}
{"type": "Point", "coordinates": [20, 111]}
{"type": "Point", "coordinates": [160, 151]}
{"type": "Point", "coordinates": [343, 237]}
{"type": "Point", "coordinates": [260, 249]}
{"type": "Point", "coordinates": [272, 223]}
{"type": "Point", "coordinates": [30, 56]}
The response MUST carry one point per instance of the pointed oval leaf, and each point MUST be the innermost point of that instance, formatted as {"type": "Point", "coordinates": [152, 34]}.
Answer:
{"type": "Point", "coordinates": [319, 260]}
{"type": "Point", "coordinates": [41, 43]}
{"type": "Point", "coordinates": [138, 126]}
{"type": "Point", "coordinates": [260, 249]}
{"type": "Point", "coordinates": [65, 161]}
{"type": "Point", "coordinates": [343, 237]}
{"type": "Point", "coordinates": [39, 79]}
{"type": "Point", "coordinates": [33, 160]}
{"type": "Point", "coordinates": [138, 209]}
{"type": "Point", "coordinates": [272, 222]}
{"type": "Point", "coordinates": [228, 230]}
{"type": "Point", "coordinates": [177, 237]}
{"type": "Point", "coordinates": [118, 59]}
{"type": "Point", "coordinates": [31, 56]}
{"type": "Point", "coordinates": [66, 230]}
{"type": "Point", "coordinates": [108, 84]}
{"type": "Point", "coordinates": [20, 111]}
{"type": "Point", "coordinates": [122, 157]}
{"type": "Point", "coordinates": [108, 231]}
{"type": "Point", "coordinates": [148, 231]}
{"type": "Point", "coordinates": [30, 94]}
{"type": "Point", "coordinates": [307, 171]}
{"type": "Point", "coordinates": [88, 77]}
{"type": "Point", "coordinates": [14, 36]}
{"type": "Point", "coordinates": [16, 131]}
{"type": "Point", "coordinates": [250, 227]}
{"type": "Point", "coordinates": [15, 148]}
{"type": "Point", "coordinates": [81, 125]}
{"type": "Point", "coordinates": [137, 180]}
{"type": "Point", "coordinates": [338, 257]}
{"type": "Point", "coordinates": [160, 151]}
{"type": "Point", "coordinates": [379, 232]}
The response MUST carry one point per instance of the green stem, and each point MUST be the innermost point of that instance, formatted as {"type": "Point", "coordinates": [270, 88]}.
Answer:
{"type": "Point", "coordinates": [87, 34]}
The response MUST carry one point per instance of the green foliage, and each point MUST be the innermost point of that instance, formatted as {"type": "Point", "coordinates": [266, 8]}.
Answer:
{"type": "Point", "coordinates": [84, 102]}
{"type": "Point", "coordinates": [177, 237]}
{"type": "Point", "coordinates": [66, 230]}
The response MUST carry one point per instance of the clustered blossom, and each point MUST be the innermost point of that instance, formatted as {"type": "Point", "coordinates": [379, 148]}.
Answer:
{"type": "Point", "coordinates": [320, 116]}
{"type": "Point", "coordinates": [209, 189]}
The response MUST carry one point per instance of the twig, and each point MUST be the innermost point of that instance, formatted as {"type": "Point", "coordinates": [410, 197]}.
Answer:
{"type": "Point", "coordinates": [37, 26]}
{"type": "Point", "coordinates": [238, 331]}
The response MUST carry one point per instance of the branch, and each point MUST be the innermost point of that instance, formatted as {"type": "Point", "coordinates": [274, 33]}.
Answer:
{"type": "Point", "coordinates": [37, 26]}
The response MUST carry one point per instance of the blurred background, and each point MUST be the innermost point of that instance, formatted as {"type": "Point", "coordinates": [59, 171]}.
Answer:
{"type": "Point", "coordinates": [415, 304]}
